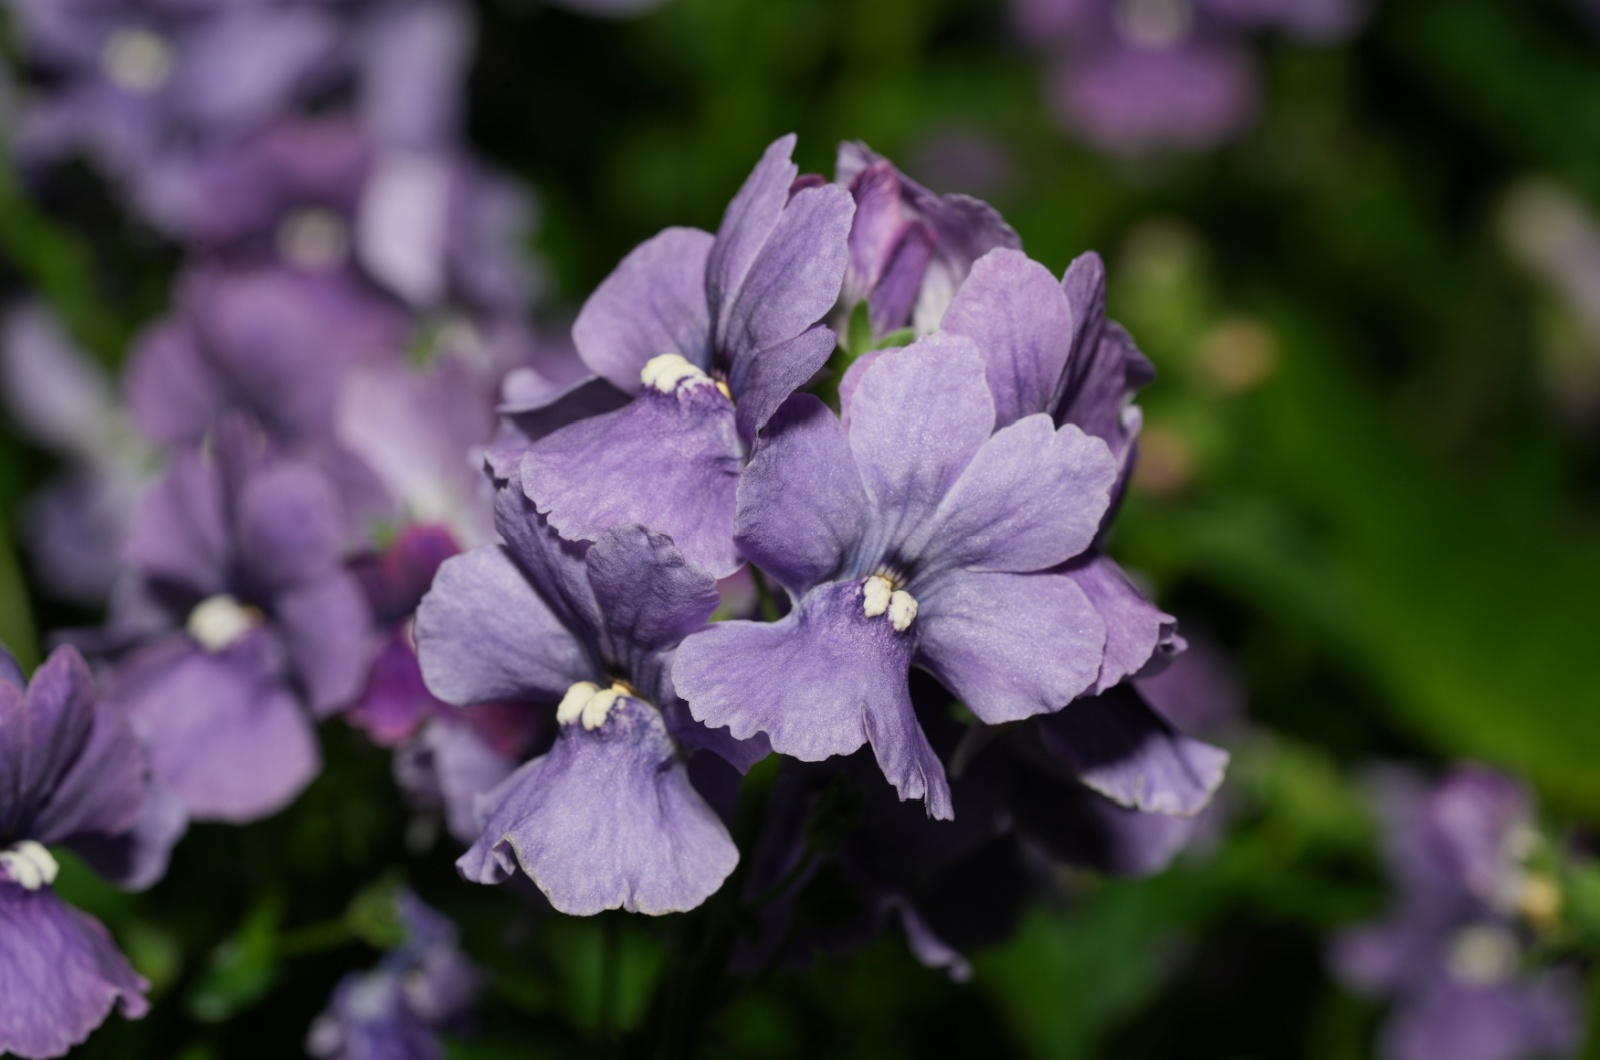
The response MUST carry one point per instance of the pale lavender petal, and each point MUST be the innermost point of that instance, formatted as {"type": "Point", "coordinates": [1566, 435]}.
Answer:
{"type": "Point", "coordinates": [1118, 746]}
{"type": "Point", "coordinates": [1032, 497]}
{"type": "Point", "coordinates": [10, 672]}
{"type": "Point", "coordinates": [667, 461]}
{"type": "Point", "coordinates": [1507, 1021]}
{"type": "Point", "coordinates": [413, 60]}
{"type": "Point", "coordinates": [485, 634]}
{"type": "Point", "coordinates": [746, 225]}
{"type": "Point", "coordinates": [793, 281]}
{"type": "Point", "coordinates": [1009, 645]}
{"type": "Point", "coordinates": [820, 682]}
{"type": "Point", "coordinates": [324, 626]}
{"type": "Point", "coordinates": [802, 506]}
{"type": "Point", "coordinates": [173, 391]}
{"type": "Point", "coordinates": [180, 533]}
{"type": "Point", "coordinates": [241, 69]}
{"type": "Point", "coordinates": [223, 733]}
{"type": "Point", "coordinates": [1131, 100]}
{"type": "Point", "coordinates": [1017, 315]}
{"type": "Point", "coordinates": [653, 302]}
{"type": "Point", "coordinates": [607, 820]}
{"type": "Point", "coordinates": [917, 418]}
{"type": "Point", "coordinates": [289, 527]}
{"type": "Point", "coordinates": [772, 375]}
{"type": "Point", "coordinates": [1135, 628]}
{"type": "Point", "coordinates": [450, 766]}
{"type": "Point", "coordinates": [60, 974]}
{"type": "Point", "coordinates": [649, 596]}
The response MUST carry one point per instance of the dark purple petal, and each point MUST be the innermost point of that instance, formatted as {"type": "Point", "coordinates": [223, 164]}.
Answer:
{"type": "Point", "coordinates": [1135, 627]}
{"type": "Point", "coordinates": [802, 506]}
{"type": "Point", "coordinates": [223, 731]}
{"type": "Point", "coordinates": [100, 794]}
{"type": "Point", "coordinates": [649, 596]}
{"type": "Point", "coordinates": [746, 226]}
{"type": "Point", "coordinates": [60, 974]}
{"type": "Point", "coordinates": [893, 298]}
{"type": "Point", "coordinates": [667, 461]}
{"type": "Point", "coordinates": [820, 682]}
{"type": "Point", "coordinates": [485, 634]}
{"type": "Point", "coordinates": [1009, 645]}
{"type": "Point", "coordinates": [1076, 826]}
{"type": "Point", "coordinates": [1118, 746]}
{"type": "Point", "coordinates": [772, 375]}
{"type": "Point", "coordinates": [396, 702]}
{"type": "Point", "coordinates": [917, 419]}
{"type": "Point", "coordinates": [1017, 315]}
{"type": "Point", "coordinates": [137, 859]}
{"type": "Point", "coordinates": [1031, 498]}
{"type": "Point", "coordinates": [42, 733]}
{"type": "Point", "coordinates": [606, 820]}
{"type": "Point", "coordinates": [654, 302]}
{"type": "Point", "coordinates": [289, 529]}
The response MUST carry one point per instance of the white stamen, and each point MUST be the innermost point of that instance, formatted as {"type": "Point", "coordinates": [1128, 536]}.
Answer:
{"type": "Point", "coordinates": [219, 621]}
{"type": "Point", "coordinates": [1483, 954]}
{"type": "Point", "coordinates": [29, 865]}
{"type": "Point", "coordinates": [137, 60]}
{"type": "Point", "coordinates": [902, 610]}
{"type": "Point", "coordinates": [875, 595]}
{"type": "Point", "coordinates": [572, 704]}
{"type": "Point", "coordinates": [589, 703]}
{"type": "Point", "coordinates": [313, 238]}
{"type": "Point", "coordinates": [666, 371]}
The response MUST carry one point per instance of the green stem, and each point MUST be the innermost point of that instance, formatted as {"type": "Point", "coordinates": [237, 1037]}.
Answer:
{"type": "Point", "coordinates": [314, 938]}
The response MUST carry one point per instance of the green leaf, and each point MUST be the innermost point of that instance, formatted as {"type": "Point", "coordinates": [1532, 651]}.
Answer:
{"type": "Point", "coordinates": [858, 332]}
{"type": "Point", "coordinates": [243, 968]}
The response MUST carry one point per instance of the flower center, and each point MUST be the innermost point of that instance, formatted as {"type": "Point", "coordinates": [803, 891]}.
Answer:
{"type": "Point", "coordinates": [29, 865]}
{"type": "Point", "coordinates": [666, 372]}
{"type": "Point", "coordinates": [1483, 954]}
{"type": "Point", "coordinates": [1154, 23]}
{"type": "Point", "coordinates": [137, 60]}
{"type": "Point", "coordinates": [313, 238]}
{"type": "Point", "coordinates": [879, 596]}
{"type": "Point", "coordinates": [589, 703]}
{"type": "Point", "coordinates": [219, 621]}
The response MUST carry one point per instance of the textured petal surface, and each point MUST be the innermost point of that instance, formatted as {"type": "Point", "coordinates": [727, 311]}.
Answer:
{"type": "Point", "coordinates": [666, 461]}
{"type": "Point", "coordinates": [802, 507]}
{"type": "Point", "coordinates": [746, 225]}
{"type": "Point", "coordinates": [1010, 645]}
{"type": "Point", "coordinates": [649, 596]}
{"type": "Point", "coordinates": [607, 820]}
{"type": "Point", "coordinates": [820, 682]}
{"type": "Point", "coordinates": [654, 302]}
{"type": "Point", "coordinates": [769, 377]}
{"type": "Point", "coordinates": [484, 633]}
{"type": "Point", "coordinates": [101, 791]}
{"type": "Point", "coordinates": [1118, 746]}
{"type": "Point", "coordinates": [1135, 627]}
{"type": "Point", "coordinates": [1017, 315]}
{"type": "Point", "coordinates": [60, 975]}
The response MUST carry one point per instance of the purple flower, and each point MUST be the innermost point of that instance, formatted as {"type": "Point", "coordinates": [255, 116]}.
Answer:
{"type": "Point", "coordinates": [75, 776]}
{"type": "Point", "coordinates": [1454, 950]}
{"type": "Point", "coordinates": [914, 533]}
{"type": "Point", "coordinates": [607, 818]}
{"type": "Point", "coordinates": [245, 627]}
{"type": "Point", "coordinates": [396, 1011]}
{"type": "Point", "coordinates": [457, 758]}
{"type": "Point", "coordinates": [710, 335]}
{"type": "Point", "coordinates": [910, 249]}
{"type": "Point", "coordinates": [1131, 76]}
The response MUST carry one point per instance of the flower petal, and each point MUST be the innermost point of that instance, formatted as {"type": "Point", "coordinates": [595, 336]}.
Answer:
{"type": "Point", "coordinates": [607, 820]}
{"type": "Point", "coordinates": [1135, 627]}
{"type": "Point", "coordinates": [60, 974]}
{"type": "Point", "coordinates": [770, 376]}
{"type": "Point", "coordinates": [746, 226]}
{"type": "Point", "coordinates": [667, 461]}
{"type": "Point", "coordinates": [324, 626]}
{"type": "Point", "coordinates": [802, 507]}
{"type": "Point", "coordinates": [484, 634]}
{"type": "Point", "coordinates": [1009, 645]}
{"type": "Point", "coordinates": [649, 596]}
{"type": "Point", "coordinates": [179, 533]}
{"type": "Point", "coordinates": [1118, 746]}
{"type": "Point", "coordinates": [653, 302]}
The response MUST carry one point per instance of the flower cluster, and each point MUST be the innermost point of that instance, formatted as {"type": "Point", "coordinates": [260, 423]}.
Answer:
{"type": "Point", "coordinates": [1134, 76]}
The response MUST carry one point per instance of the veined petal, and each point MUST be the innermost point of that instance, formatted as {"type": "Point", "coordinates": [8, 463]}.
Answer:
{"type": "Point", "coordinates": [649, 596]}
{"type": "Point", "coordinates": [746, 225]}
{"type": "Point", "coordinates": [606, 820]}
{"type": "Point", "coordinates": [1135, 627]}
{"type": "Point", "coordinates": [669, 461]}
{"type": "Point", "coordinates": [653, 302]}
{"type": "Point", "coordinates": [768, 377]}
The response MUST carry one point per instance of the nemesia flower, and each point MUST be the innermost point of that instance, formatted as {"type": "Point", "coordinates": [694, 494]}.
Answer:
{"type": "Point", "coordinates": [1454, 950]}
{"type": "Point", "coordinates": [396, 1011]}
{"type": "Point", "coordinates": [76, 777]}
{"type": "Point", "coordinates": [910, 249]}
{"type": "Point", "coordinates": [608, 817]}
{"type": "Point", "coordinates": [240, 626]}
{"type": "Point", "coordinates": [914, 533]}
{"type": "Point", "coordinates": [710, 335]}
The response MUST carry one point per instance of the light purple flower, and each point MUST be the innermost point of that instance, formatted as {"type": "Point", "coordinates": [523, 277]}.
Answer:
{"type": "Point", "coordinates": [244, 627]}
{"type": "Point", "coordinates": [910, 249]}
{"type": "Point", "coordinates": [710, 335]}
{"type": "Point", "coordinates": [607, 818]}
{"type": "Point", "coordinates": [75, 776]}
{"type": "Point", "coordinates": [396, 1011]}
{"type": "Point", "coordinates": [916, 533]}
{"type": "Point", "coordinates": [1454, 951]}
